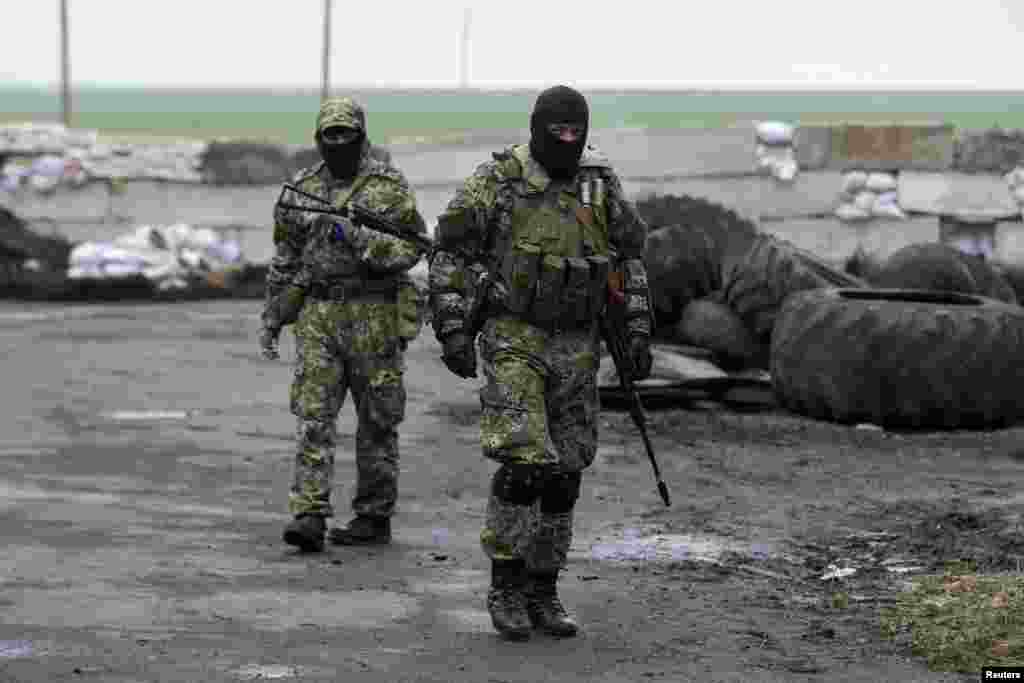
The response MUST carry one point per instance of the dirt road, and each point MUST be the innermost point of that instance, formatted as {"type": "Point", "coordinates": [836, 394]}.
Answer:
{"type": "Point", "coordinates": [146, 547]}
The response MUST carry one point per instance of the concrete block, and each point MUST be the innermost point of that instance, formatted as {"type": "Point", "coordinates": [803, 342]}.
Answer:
{"type": "Point", "coordinates": [889, 147]}
{"type": "Point", "coordinates": [813, 147]}
{"type": "Point", "coordinates": [978, 198]}
{"type": "Point", "coordinates": [835, 241]}
{"type": "Point", "coordinates": [810, 194]}
{"type": "Point", "coordinates": [989, 151]}
{"type": "Point", "coordinates": [680, 152]}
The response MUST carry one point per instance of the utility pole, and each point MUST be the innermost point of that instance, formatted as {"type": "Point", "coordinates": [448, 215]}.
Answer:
{"type": "Point", "coordinates": [464, 52]}
{"type": "Point", "coordinates": [65, 65]}
{"type": "Point", "coordinates": [325, 87]}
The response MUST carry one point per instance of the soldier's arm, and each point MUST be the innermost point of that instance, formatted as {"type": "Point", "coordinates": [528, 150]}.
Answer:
{"type": "Point", "coordinates": [393, 200]}
{"type": "Point", "coordinates": [460, 238]}
{"type": "Point", "coordinates": [285, 276]}
{"type": "Point", "coordinates": [628, 233]}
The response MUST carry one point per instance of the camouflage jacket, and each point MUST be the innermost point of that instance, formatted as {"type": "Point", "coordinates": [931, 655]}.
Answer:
{"type": "Point", "coordinates": [311, 247]}
{"type": "Point", "coordinates": [464, 236]}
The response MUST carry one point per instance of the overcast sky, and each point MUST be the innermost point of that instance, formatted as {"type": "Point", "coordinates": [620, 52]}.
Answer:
{"type": "Point", "coordinates": [526, 43]}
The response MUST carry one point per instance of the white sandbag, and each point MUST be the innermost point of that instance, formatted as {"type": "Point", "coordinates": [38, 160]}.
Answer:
{"type": "Point", "coordinates": [887, 209]}
{"type": "Point", "coordinates": [881, 182]}
{"type": "Point", "coordinates": [852, 213]}
{"type": "Point", "coordinates": [854, 182]}
{"type": "Point", "coordinates": [1015, 178]}
{"type": "Point", "coordinates": [1018, 194]}
{"type": "Point", "coordinates": [786, 170]}
{"type": "Point", "coordinates": [775, 133]}
{"type": "Point", "coordinates": [865, 200]}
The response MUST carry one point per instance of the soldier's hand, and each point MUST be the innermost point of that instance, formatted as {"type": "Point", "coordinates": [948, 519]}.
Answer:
{"type": "Point", "coordinates": [640, 354]}
{"type": "Point", "coordinates": [269, 343]}
{"type": "Point", "coordinates": [459, 355]}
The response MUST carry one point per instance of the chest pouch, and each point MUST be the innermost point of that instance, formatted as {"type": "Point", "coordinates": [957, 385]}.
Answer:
{"type": "Point", "coordinates": [576, 292]}
{"type": "Point", "coordinates": [520, 271]}
{"type": "Point", "coordinates": [547, 304]}
{"type": "Point", "coordinates": [600, 266]}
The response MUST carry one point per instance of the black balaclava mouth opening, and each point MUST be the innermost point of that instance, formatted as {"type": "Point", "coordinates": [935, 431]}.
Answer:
{"type": "Point", "coordinates": [560, 104]}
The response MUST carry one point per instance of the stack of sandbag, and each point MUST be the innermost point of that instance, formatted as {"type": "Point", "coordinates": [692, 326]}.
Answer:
{"type": "Point", "coordinates": [775, 153]}
{"type": "Point", "coordinates": [168, 256]}
{"type": "Point", "coordinates": [865, 195]}
{"type": "Point", "coordinates": [1015, 181]}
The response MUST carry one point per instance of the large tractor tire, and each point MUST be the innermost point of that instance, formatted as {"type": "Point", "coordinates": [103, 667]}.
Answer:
{"type": "Point", "coordinates": [691, 243]}
{"type": "Point", "coordinates": [906, 359]}
{"type": "Point", "coordinates": [712, 325]}
{"type": "Point", "coordinates": [942, 267]}
{"type": "Point", "coordinates": [772, 270]}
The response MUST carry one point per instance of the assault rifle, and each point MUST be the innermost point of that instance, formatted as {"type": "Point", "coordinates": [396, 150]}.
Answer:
{"type": "Point", "coordinates": [614, 334]}
{"type": "Point", "coordinates": [358, 214]}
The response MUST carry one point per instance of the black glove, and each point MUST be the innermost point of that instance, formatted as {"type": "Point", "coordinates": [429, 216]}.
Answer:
{"type": "Point", "coordinates": [460, 355]}
{"type": "Point", "coordinates": [640, 353]}
{"type": "Point", "coordinates": [268, 343]}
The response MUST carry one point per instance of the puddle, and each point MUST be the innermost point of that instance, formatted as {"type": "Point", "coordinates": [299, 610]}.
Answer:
{"type": "Point", "coordinates": [262, 672]}
{"type": "Point", "coordinates": [468, 620]}
{"type": "Point", "coordinates": [15, 648]}
{"type": "Point", "coordinates": [676, 548]}
{"type": "Point", "coordinates": [281, 610]}
{"type": "Point", "coordinates": [144, 415]}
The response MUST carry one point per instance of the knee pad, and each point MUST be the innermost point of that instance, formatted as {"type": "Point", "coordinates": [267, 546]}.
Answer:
{"type": "Point", "coordinates": [560, 492]}
{"type": "Point", "coordinates": [516, 485]}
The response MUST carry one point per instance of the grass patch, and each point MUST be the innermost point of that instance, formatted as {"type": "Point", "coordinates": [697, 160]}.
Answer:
{"type": "Point", "coordinates": [962, 622]}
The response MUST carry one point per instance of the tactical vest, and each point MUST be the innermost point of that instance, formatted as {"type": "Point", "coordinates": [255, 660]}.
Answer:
{"type": "Point", "coordinates": [551, 247]}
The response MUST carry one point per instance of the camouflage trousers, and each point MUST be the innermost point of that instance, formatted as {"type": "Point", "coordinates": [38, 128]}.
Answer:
{"type": "Point", "coordinates": [343, 347]}
{"type": "Point", "coordinates": [539, 406]}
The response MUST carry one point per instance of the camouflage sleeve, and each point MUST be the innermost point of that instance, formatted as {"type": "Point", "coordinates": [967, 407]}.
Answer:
{"type": "Point", "coordinates": [628, 233]}
{"type": "Point", "coordinates": [285, 269]}
{"type": "Point", "coordinates": [461, 240]}
{"type": "Point", "coordinates": [394, 201]}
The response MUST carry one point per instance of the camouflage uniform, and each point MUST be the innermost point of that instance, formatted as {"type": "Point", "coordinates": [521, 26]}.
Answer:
{"type": "Point", "coordinates": [350, 332]}
{"type": "Point", "coordinates": [540, 400]}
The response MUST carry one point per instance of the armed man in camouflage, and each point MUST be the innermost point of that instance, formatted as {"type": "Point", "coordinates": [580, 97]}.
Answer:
{"type": "Point", "coordinates": [346, 290]}
{"type": "Point", "coordinates": [547, 223]}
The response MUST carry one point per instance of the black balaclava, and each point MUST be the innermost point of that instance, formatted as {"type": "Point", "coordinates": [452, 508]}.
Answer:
{"type": "Point", "coordinates": [560, 104]}
{"type": "Point", "coordinates": [342, 159]}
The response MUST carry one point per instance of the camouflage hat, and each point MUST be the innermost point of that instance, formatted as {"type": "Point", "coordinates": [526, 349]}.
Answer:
{"type": "Point", "coordinates": [340, 111]}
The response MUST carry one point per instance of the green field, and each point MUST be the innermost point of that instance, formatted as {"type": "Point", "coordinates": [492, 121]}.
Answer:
{"type": "Point", "coordinates": [393, 115]}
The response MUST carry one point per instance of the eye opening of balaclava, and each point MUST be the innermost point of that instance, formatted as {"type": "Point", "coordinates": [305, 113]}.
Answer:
{"type": "Point", "coordinates": [558, 105]}
{"type": "Point", "coordinates": [341, 136]}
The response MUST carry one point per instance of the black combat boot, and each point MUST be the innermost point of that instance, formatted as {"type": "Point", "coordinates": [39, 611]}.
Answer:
{"type": "Point", "coordinates": [363, 531]}
{"type": "Point", "coordinates": [506, 600]}
{"type": "Point", "coordinates": [545, 609]}
{"type": "Point", "coordinates": [306, 532]}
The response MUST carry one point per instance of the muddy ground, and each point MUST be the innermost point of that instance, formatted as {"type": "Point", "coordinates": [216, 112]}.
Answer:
{"type": "Point", "coordinates": [147, 547]}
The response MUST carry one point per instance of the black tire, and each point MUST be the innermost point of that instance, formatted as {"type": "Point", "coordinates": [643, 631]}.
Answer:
{"type": "Point", "coordinates": [942, 267]}
{"type": "Point", "coordinates": [712, 325]}
{"type": "Point", "coordinates": [691, 242]}
{"type": "Point", "coordinates": [772, 270]}
{"type": "Point", "coordinates": [681, 267]}
{"type": "Point", "coordinates": [908, 359]}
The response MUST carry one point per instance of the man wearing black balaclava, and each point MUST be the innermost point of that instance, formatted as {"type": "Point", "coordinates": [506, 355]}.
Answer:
{"type": "Point", "coordinates": [558, 131]}
{"type": "Point", "coordinates": [559, 241]}
{"type": "Point", "coordinates": [345, 289]}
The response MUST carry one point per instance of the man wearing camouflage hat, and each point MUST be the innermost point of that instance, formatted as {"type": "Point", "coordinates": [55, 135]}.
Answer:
{"type": "Point", "coordinates": [550, 226]}
{"type": "Point", "coordinates": [345, 289]}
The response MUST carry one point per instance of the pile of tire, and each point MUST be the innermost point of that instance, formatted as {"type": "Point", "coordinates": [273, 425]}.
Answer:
{"type": "Point", "coordinates": [717, 282]}
{"type": "Point", "coordinates": [900, 358]}
{"type": "Point", "coordinates": [941, 267]}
